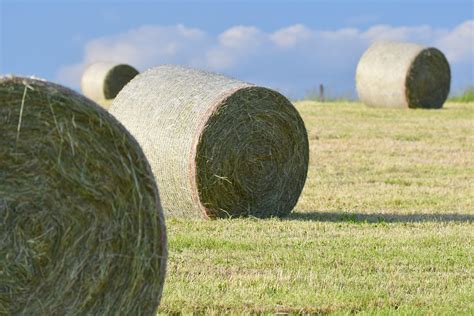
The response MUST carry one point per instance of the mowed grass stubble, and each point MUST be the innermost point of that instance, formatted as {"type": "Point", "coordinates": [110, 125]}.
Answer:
{"type": "Point", "coordinates": [384, 224]}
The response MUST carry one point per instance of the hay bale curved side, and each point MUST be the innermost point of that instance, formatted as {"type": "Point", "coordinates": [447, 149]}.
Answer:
{"type": "Point", "coordinates": [218, 147]}
{"type": "Point", "coordinates": [102, 81]}
{"type": "Point", "coordinates": [403, 75]}
{"type": "Point", "coordinates": [81, 224]}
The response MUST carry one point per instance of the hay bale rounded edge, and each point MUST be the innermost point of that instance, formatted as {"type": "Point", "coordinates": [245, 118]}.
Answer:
{"type": "Point", "coordinates": [102, 81]}
{"type": "Point", "coordinates": [218, 147]}
{"type": "Point", "coordinates": [81, 226]}
{"type": "Point", "coordinates": [403, 75]}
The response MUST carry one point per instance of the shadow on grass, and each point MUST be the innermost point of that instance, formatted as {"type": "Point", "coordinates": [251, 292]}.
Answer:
{"type": "Point", "coordinates": [378, 217]}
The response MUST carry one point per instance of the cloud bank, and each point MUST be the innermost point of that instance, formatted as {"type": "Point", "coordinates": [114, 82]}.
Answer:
{"type": "Point", "coordinates": [292, 59]}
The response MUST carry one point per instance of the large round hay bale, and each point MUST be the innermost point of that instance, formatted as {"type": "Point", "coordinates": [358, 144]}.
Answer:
{"type": "Point", "coordinates": [102, 81]}
{"type": "Point", "coordinates": [403, 75]}
{"type": "Point", "coordinates": [81, 226]}
{"type": "Point", "coordinates": [218, 147]}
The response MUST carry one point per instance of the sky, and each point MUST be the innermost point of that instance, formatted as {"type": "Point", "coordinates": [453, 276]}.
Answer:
{"type": "Point", "coordinates": [291, 46]}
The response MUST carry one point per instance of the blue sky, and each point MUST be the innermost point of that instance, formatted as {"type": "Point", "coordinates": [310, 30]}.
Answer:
{"type": "Point", "coordinates": [292, 46]}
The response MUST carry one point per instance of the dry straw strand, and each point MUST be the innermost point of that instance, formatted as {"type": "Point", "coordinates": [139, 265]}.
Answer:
{"type": "Point", "coordinates": [403, 75]}
{"type": "Point", "coordinates": [218, 147]}
{"type": "Point", "coordinates": [102, 81]}
{"type": "Point", "coordinates": [81, 226]}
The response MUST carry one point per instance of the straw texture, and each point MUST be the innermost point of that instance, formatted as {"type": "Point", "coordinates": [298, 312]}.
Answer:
{"type": "Point", "coordinates": [218, 147]}
{"type": "Point", "coordinates": [102, 81]}
{"type": "Point", "coordinates": [403, 75]}
{"type": "Point", "coordinates": [81, 226]}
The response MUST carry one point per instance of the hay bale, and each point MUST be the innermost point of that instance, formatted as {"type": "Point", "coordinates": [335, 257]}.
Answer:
{"type": "Point", "coordinates": [218, 147]}
{"type": "Point", "coordinates": [401, 75]}
{"type": "Point", "coordinates": [102, 81]}
{"type": "Point", "coordinates": [81, 226]}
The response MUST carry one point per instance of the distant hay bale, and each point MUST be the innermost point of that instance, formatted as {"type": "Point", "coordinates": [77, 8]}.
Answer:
{"type": "Point", "coordinates": [81, 226]}
{"type": "Point", "coordinates": [403, 75]}
{"type": "Point", "coordinates": [218, 147]}
{"type": "Point", "coordinates": [102, 81]}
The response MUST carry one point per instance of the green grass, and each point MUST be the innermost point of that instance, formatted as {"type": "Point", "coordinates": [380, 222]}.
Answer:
{"type": "Point", "coordinates": [467, 96]}
{"type": "Point", "coordinates": [385, 225]}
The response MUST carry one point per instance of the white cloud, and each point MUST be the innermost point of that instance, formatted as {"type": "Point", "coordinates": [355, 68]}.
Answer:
{"type": "Point", "coordinates": [290, 36]}
{"type": "Point", "coordinates": [422, 33]}
{"type": "Point", "coordinates": [241, 37]}
{"type": "Point", "coordinates": [142, 47]}
{"type": "Point", "coordinates": [293, 58]}
{"type": "Point", "coordinates": [458, 45]}
{"type": "Point", "coordinates": [234, 44]}
{"type": "Point", "coordinates": [146, 45]}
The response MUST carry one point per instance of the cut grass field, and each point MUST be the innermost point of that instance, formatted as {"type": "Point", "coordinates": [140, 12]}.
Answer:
{"type": "Point", "coordinates": [385, 224]}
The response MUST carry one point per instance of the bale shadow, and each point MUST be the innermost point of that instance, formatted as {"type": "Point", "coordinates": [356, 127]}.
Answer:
{"type": "Point", "coordinates": [378, 217]}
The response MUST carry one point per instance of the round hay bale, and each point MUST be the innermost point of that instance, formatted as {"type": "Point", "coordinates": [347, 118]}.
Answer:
{"type": "Point", "coordinates": [403, 75]}
{"type": "Point", "coordinates": [218, 147]}
{"type": "Point", "coordinates": [102, 81]}
{"type": "Point", "coordinates": [81, 226]}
